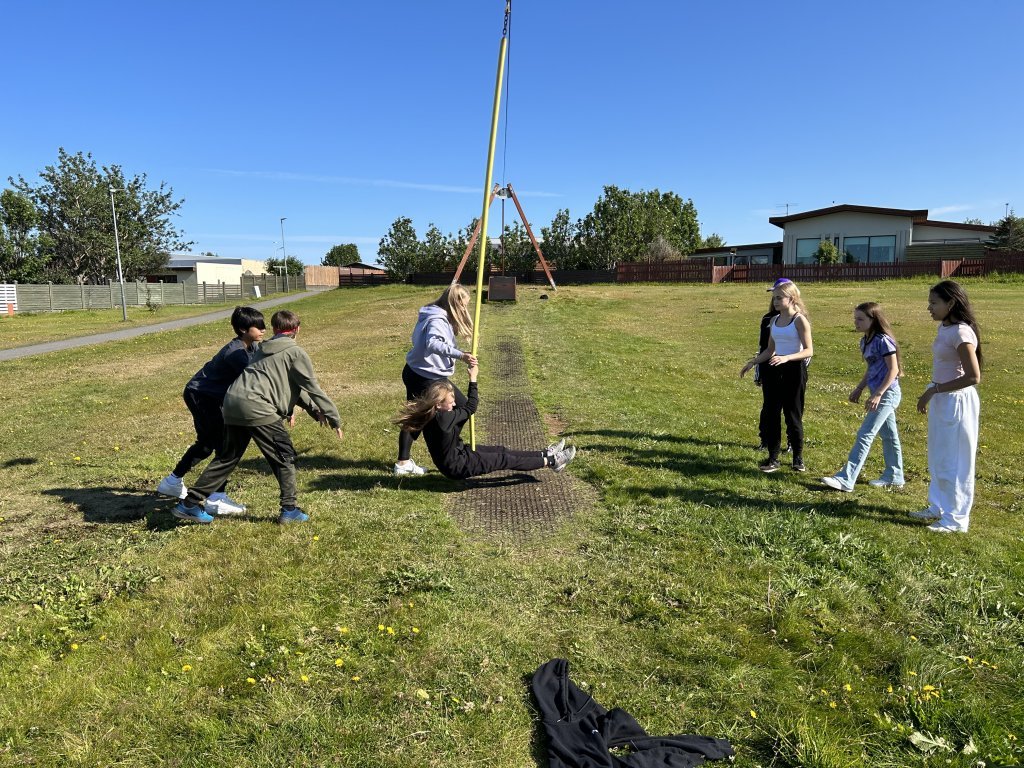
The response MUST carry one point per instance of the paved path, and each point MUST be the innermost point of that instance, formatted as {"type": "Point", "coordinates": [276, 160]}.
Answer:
{"type": "Point", "coordinates": [130, 333]}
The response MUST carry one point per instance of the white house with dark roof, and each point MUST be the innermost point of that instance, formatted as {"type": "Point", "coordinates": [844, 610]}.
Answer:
{"type": "Point", "coordinates": [870, 235]}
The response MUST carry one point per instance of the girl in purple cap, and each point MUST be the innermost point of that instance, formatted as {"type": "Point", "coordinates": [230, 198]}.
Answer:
{"type": "Point", "coordinates": [785, 379]}
{"type": "Point", "coordinates": [882, 355]}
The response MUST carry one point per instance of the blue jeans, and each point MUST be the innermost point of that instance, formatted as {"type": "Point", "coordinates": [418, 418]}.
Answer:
{"type": "Point", "coordinates": [881, 422]}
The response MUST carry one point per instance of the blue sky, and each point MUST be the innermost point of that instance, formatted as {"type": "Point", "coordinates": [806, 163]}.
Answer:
{"type": "Point", "coordinates": [344, 116]}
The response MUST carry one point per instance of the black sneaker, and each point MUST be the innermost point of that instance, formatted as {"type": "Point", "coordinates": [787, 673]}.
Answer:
{"type": "Point", "coordinates": [771, 465]}
{"type": "Point", "coordinates": [798, 465]}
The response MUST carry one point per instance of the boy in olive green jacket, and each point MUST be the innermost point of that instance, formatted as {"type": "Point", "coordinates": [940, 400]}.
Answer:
{"type": "Point", "coordinates": [256, 405]}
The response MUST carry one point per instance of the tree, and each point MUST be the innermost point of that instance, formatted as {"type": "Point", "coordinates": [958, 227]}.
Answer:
{"type": "Point", "coordinates": [559, 244]}
{"type": "Point", "coordinates": [827, 253]}
{"type": "Point", "coordinates": [340, 255]}
{"type": "Point", "coordinates": [714, 240]}
{"type": "Point", "coordinates": [974, 221]}
{"type": "Point", "coordinates": [294, 266]}
{"type": "Point", "coordinates": [624, 224]}
{"type": "Point", "coordinates": [436, 252]}
{"type": "Point", "coordinates": [20, 257]}
{"type": "Point", "coordinates": [1009, 234]}
{"type": "Point", "coordinates": [399, 250]}
{"type": "Point", "coordinates": [76, 226]}
{"type": "Point", "coordinates": [519, 256]}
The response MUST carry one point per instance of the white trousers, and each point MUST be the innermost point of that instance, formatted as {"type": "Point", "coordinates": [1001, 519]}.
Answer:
{"type": "Point", "coordinates": [952, 446]}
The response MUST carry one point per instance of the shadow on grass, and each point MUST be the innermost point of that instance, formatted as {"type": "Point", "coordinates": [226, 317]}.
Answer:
{"type": "Point", "coordinates": [317, 462]}
{"type": "Point", "coordinates": [663, 438]}
{"type": "Point", "coordinates": [847, 507]}
{"type": "Point", "coordinates": [118, 505]}
{"type": "Point", "coordinates": [539, 742]}
{"type": "Point", "coordinates": [21, 461]}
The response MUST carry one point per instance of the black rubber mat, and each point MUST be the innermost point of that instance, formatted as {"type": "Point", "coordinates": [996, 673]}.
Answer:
{"type": "Point", "coordinates": [512, 504]}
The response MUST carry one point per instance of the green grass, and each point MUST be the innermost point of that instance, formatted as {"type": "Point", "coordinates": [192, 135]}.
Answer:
{"type": "Point", "coordinates": [693, 591]}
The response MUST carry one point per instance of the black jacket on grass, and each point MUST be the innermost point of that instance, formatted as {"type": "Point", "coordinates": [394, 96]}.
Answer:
{"type": "Point", "coordinates": [582, 733]}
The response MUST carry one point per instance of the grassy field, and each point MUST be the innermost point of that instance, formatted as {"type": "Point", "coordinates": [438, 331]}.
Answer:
{"type": "Point", "coordinates": [26, 328]}
{"type": "Point", "coordinates": [809, 628]}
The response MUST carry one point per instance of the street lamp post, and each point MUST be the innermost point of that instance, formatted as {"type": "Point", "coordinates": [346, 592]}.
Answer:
{"type": "Point", "coordinates": [117, 247]}
{"type": "Point", "coordinates": [285, 254]}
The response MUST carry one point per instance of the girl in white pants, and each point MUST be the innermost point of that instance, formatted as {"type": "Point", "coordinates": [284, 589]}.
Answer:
{"type": "Point", "coordinates": [952, 405]}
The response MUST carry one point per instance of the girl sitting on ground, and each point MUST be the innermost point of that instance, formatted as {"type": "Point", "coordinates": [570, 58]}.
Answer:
{"type": "Point", "coordinates": [437, 414]}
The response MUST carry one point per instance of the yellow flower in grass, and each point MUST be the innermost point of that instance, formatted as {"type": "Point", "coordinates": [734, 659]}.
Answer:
{"type": "Point", "coordinates": [186, 667]}
{"type": "Point", "coordinates": [316, 538]}
{"type": "Point", "coordinates": [753, 714]}
{"type": "Point", "coordinates": [74, 646]}
{"type": "Point", "coordinates": [847, 687]}
{"type": "Point", "coordinates": [339, 662]}
{"type": "Point", "coordinates": [304, 678]}
{"type": "Point", "coordinates": [342, 630]}
{"type": "Point", "coordinates": [415, 630]}
{"type": "Point", "coordinates": [391, 630]}
{"type": "Point", "coordinates": [380, 627]}
{"type": "Point", "coordinates": [832, 705]}
{"type": "Point", "coordinates": [251, 680]}
{"type": "Point", "coordinates": [356, 678]}
{"type": "Point", "coordinates": [422, 694]}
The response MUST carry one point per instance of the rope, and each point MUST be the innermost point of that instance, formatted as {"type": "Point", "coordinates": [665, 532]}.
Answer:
{"type": "Point", "coordinates": [506, 32]}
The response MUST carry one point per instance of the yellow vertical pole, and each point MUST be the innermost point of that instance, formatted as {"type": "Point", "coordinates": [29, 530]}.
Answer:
{"type": "Point", "coordinates": [487, 202]}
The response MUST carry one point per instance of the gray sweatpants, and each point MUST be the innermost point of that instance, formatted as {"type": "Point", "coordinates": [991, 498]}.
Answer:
{"type": "Point", "coordinates": [273, 441]}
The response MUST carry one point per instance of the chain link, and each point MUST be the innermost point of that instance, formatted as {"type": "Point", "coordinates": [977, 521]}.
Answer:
{"type": "Point", "coordinates": [508, 12]}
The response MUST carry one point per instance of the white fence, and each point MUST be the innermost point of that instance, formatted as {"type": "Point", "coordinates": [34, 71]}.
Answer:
{"type": "Point", "coordinates": [8, 298]}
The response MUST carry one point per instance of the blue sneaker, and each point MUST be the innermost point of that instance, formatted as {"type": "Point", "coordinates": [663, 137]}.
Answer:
{"type": "Point", "coordinates": [293, 515]}
{"type": "Point", "coordinates": [183, 511]}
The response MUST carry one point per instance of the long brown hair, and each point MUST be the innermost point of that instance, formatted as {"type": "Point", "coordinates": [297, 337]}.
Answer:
{"type": "Point", "coordinates": [879, 324]}
{"type": "Point", "coordinates": [455, 301]}
{"type": "Point", "coordinates": [416, 414]}
{"type": "Point", "coordinates": [960, 311]}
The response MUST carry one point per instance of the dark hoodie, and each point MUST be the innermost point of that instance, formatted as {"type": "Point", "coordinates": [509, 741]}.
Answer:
{"type": "Point", "coordinates": [582, 733]}
{"type": "Point", "coordinates": [442, 435]}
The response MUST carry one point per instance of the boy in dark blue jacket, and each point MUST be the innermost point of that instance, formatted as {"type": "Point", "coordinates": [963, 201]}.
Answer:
{"type": "Point", "coordinates": [204, 396]}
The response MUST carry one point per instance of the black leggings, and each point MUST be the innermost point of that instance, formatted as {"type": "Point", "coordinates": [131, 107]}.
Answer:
{"type": "Point", "coordinates": [209, 423]}
{"type": "Point", "coordinates": [492, 458]}
{"type": "Point", "coordinates": [784, 388]}
{"type": "Point", "coordinates": [416, 385]}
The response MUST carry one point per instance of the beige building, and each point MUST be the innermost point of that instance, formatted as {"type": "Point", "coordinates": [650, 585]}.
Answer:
{"type": "Point", "coordinates": [207, 269]}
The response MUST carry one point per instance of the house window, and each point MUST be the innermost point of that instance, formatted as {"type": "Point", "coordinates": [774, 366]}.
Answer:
{"type": "Point", "coordinates": [871, 250]}
{"type": "Point", "coordinates": [805, 249]}
{"type": "Point", "coordinates": [761, 259]}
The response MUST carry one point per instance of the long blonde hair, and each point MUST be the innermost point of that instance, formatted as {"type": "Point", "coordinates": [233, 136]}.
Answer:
{"type": "Point", "coordinates": [790, 289]}
{"type": "Point", "coordinates": [416, 414]}
{"type": "Point", "coordinates": [455, 301]}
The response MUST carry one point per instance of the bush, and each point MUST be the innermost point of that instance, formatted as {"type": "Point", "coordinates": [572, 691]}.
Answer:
{"type": "Point", "coordinates": [827, 253]}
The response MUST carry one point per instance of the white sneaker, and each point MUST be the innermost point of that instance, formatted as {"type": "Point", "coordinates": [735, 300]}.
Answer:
{"type": "Point", "coordinates": [173, 487]}
{"type": "Point", "coordinates": [554, 448]}
{"type": "Point", "coordinates": [835, 485]}
{"type": "Point", "coordinates": [946, 528]}
{"type": "Point", "coordinates": [926, 514]}
{"type": "Point", "coordinates": [412, 468]}
{"type": "Point", "coordinates": [222, 504]}
{"type": "Point", "coordinates": [880, 483]}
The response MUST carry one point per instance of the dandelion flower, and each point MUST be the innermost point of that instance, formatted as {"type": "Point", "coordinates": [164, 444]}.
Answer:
{"type": "Point", "coordinates": [415, 630]}
{"type": "Point", "coordinates": [78, 458]}
{"type": "Point", "coordinates": [339, 662]}
{"type": "Point", "coordinates": [251, 680]}
{"type": "Point", "coordinates": [74, 646]}
{"type": "Point", "coordinates": [889, 689]}
{"type": "Point", "coordinates": [391, 630]}
{"type": "Point", "coordinates": [847, 687]}
{"type": "Point", "coordinates": [380, 627]}
{"type": "Point", "coordinates": [832, 705]}
{"type": "Point", "coordinates": [912, 673]}
{"type": "Point", "coordinates": [356, 678]}
{"type": "Point", "coordinates": [186, 667]}
{"type": "Point", "coordinates": [305, 679]}
{"type": "Point", "coordinates": [316, 538]}
{"type": "Point", "coordinates": [422, 694]}
{"type": "Point", "coordinates": [753, 714]}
